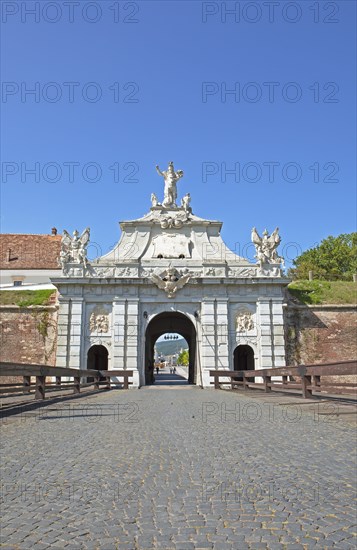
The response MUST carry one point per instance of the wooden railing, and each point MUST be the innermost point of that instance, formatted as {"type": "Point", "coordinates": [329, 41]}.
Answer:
{"type": "Point", "coordinates": [41, 385]}
{"type": "Point", "coordinates": [303, 378]}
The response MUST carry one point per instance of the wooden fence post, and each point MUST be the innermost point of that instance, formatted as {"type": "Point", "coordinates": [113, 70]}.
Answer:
{"type": "Point", "coordinates": [40, 387]}
{"type": "Point", "coordinates": [26, 384]}
{"type": "Point", "coordinates": [305, 382]}
{"type": "Point", "coordinates": [77, 384]}
{"type": "Point", "coordinates": [267, 381]}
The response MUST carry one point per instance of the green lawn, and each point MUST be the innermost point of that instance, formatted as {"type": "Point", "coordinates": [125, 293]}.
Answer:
{"type": "Point", "coordinates": [324, 292]}
{"type": "Point", "coordinates": [25, 298]}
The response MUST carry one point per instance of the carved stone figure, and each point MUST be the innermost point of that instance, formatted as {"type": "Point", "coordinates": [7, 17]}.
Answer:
{"type": "Point", "coordinates": [185, 203]}
{"type": "Point", "coordinates": [74, 249]}
{"type": "Point", "coordinates": [170, 178]}
{"type": "Point", "coordinates": [266, 246]}
{"type": "Point", "coordinates": [98, 322]}
{"type": "Point", "coordinates": [170, 281]}
{"type": "Point", "coordinates": [64, 260]}
{"type": "Point", "coordinates": [154, 201]}
{"type": "Point", "coordinates": [244, 321]}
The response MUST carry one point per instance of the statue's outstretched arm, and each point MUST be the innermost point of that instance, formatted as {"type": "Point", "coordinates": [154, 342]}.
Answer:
{"type": "Point", "coordinates": [158, 170]}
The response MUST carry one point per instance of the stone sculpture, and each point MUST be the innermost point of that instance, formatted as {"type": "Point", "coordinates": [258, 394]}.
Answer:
{"type": "Point", "coordinates": [170, 281]}
{"type": "Point", "coordinates": [154, 201]}
{"type": "Point", "coordinates": [170, 178]}
{"type": "Point", "coordinates": [244, 321]}
{"type": "Point", "coordinates": [74, 249]}
{"type": "Point", "coordinates": [266, 246]}
{"type": "Point", "coordinates": [98, 322]}
{"type": "Point", "coordinates": [185, 203]}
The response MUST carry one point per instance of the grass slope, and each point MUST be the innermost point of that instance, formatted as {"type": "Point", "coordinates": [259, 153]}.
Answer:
{"type": "Point", "coordinates": [324, 292]}
{"type": "Point", "coordinates": [308, 292]}
{"type": "Point", "coordinates": [25, 298]}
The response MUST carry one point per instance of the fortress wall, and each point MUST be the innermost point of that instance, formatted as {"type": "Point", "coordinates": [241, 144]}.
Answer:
{"type": "Point", "coordinates": [320, 334]}
{"type": "Point", "coordinates": [28, 335]}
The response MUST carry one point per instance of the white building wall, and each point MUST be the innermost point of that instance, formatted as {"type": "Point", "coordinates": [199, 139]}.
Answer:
{"type": "Point", "coordinates": [28, 277]}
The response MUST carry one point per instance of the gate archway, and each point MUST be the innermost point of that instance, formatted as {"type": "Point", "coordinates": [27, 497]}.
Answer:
{"type": "Point", "coordinates": [243, 358]}
{"type": "Point", "coordinates": [166, 322]}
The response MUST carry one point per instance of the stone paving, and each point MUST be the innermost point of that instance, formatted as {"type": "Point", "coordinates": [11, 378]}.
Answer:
{"type": "Point", "coordinates": [177, 468]}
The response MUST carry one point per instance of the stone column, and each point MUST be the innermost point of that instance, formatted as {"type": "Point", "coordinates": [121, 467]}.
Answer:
{"type": "Point", "coordinates": [77, 333]}
{"type": "Point", "coordinates": [222, 334]}
{"type": "Point", "coordinates": [118, 333]}
{"type": "Point", "coordinates": [208, 341]}
{"type": "Point", "coordinates": [264, 334]}
{"type": "Point", "coordinates": [63, 332]}
{"type": "Point", "coordinates": [278, 330]}
{"type": "Point", "coordinates": [132, 344]}
{"type": "Point", "coordinates": [125, 341]}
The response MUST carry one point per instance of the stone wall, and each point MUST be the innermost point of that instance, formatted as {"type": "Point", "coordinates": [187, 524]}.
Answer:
{"type": "Point", "coordinates": [28, 335]}
{"type": "Point", "coordinates": [320, 334]}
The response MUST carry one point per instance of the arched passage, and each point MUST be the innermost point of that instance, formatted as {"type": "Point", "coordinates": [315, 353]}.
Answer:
{"type": "Point", "coordinates": [97, 358]}
{"type": "Point", "coordinates": [166, 322]}
{"type": "Point", "coordinates": [243, 358]}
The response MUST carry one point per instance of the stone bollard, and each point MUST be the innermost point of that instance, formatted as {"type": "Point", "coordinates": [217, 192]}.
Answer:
{"type": "Point", "coordinates": [311, 275]}
{"type": "Point", "coordinates": [355, 277]}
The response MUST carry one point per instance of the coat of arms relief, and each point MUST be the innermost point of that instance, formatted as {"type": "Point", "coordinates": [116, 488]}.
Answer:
{"type": "Point", "coordinates": [99, 320]}
{"type": "Point", "coordinates": [244, 321]}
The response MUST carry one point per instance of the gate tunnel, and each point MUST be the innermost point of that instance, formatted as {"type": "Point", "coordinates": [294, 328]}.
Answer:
{"type": "Point", "coordinates": [170, 322]}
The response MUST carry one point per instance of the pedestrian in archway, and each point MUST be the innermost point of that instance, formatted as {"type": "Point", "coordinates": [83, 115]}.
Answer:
{"type": "Point", "coordinates": [157, 369]}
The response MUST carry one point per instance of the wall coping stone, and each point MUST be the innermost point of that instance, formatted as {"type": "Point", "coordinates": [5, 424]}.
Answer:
{"type": "Point", "coordinates": [326, 307]}
{"type": "Point", "coordinates": [14, 307]}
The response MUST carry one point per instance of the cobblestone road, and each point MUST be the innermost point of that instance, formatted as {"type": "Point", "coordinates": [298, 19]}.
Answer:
{"type": "Point", "coordinates": [178, 468]}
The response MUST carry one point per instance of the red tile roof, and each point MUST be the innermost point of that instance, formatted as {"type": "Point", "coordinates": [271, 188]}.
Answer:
{"type": "Point", "coordinates": [29, 251]}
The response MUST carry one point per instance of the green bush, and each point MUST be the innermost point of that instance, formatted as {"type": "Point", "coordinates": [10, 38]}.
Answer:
{"type": "Point", "coordinates": [335, 258]}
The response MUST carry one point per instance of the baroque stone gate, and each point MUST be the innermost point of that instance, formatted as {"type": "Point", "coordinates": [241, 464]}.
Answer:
{"type": "Point", "coordinates": [171, 272]}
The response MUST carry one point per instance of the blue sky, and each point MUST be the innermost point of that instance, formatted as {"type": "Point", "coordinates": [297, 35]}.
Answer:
{"type": "Point", "coordinates": [123, 86]}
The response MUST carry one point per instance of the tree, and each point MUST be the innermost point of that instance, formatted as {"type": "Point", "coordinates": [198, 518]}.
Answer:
{"type": "Point", "coordinates": [183, 358]}
{"type": "Point", "coordinates": [334, 258]}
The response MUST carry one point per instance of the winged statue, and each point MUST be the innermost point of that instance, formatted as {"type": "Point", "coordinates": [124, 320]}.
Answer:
{"type": "Point", "coordinates": [74, 249]}
{"type": "Point", "coordinates": [266, 246]}
{"type": "Point", "coordinates": [170, 281]}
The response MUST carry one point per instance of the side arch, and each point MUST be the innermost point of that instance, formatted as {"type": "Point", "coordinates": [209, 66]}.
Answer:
{"type": "Point", "coordinates": [243, 358]}
{"type": "Point", "coordinates": [97, 358]}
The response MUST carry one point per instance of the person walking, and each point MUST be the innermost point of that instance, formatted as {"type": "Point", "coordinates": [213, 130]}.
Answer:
{"type": "Point", "coordinates": [157, 369]}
